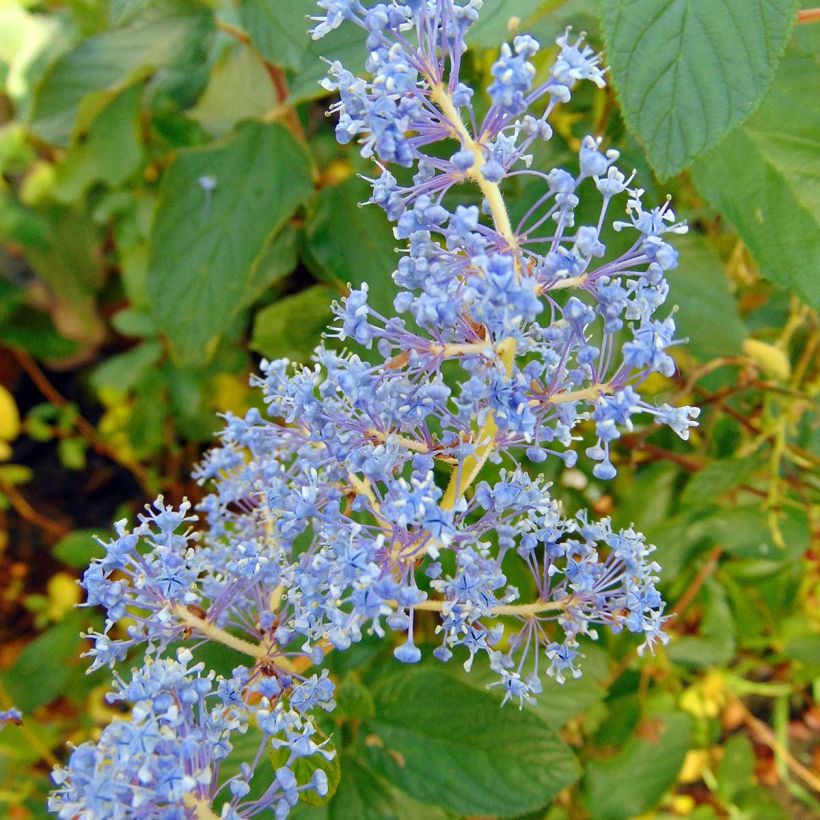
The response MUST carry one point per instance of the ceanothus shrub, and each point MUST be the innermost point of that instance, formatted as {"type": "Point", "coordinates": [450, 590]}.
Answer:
{"type": "Point", "coordinates": [361, 499]}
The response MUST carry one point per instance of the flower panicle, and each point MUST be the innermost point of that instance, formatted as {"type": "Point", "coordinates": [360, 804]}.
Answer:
{"type": "Point", "coordinates": [362, 500]}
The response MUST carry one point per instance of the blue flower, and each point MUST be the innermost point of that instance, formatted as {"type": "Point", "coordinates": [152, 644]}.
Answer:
{"type": "Point", "coordinates": [325, 519]}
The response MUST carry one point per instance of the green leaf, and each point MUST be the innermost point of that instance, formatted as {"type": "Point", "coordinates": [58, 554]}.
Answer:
{"type": "Point", "coordinates": [109, 153]}
{"type": "Point", "coordinates": [688, 72]}
{"type": "Point", "coordinates": [72, 453]}
{"type": "Point", "coordinates": [43, 667]}
{"type": "Point", "coordinates": [559, 702]}
{"type": "Point", "coordinates": [81, 81]}
{"type": "Point", "coordinates": [364, 795]}
{"type": "Point", "coordinates": [71, 265]}
{"type": "Point", "coordinates": [744, 531]}
{"type": "Point", "coordinates": [554, 16]}
{"type": "Point", "coordinates": [21, 225]}
{"type": "Point", "coordinates": [493, 26]}
{"type": "Point", "coordinates": [133, 322]}
{"type": "Point", "coordinates": [736, 767]}
{"type": "Point", "coordinates": [304, 767]}
{"type": "Point", "coordinates": [122, 372]}
{"type": "Point", "coordinates": [32, 331]}
{"type": "Point", "coordinates": [359, 794]}
{"type": "Point", "coordinates": [354, 243]}
{"type": "Point", "coordinates": [707, 311]}
{"type": "Point", "coordinates": [278, 260]}
{"type": "Point", "coordinates": [766, 178]}
{"type": "Point", "coordinates": [447, 744]}
{"type": "Point", "coordinates": [636, 778]}
{"type": "Point", "coordinates": [15, 474]}
{"type": "Point", "coordinates": [715, 643]}
{"type": "Point", "coordinates": [279, 30]}
{"type": "Point", "coordinates": [220, 208]}
{"type": "Point", "coordinates": [79, 547]}
{"type": "Point", "coordinates": [345, 44]}
{"type": "Point", "coordinates": [758, 803]}
{"type": "Point", "coordinates": [239, 88]}
{"type": "Point", "coordinates": [804, 649]}
{"type": "Point", "coordinates": [292, 327]}
{"type": "Point", "coordinates": [354, 700]}
{"type": "Point", "coordinates": [717, 478]}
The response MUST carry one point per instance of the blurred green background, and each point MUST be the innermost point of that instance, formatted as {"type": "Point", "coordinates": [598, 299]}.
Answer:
{"type": "Point", "coordinates": [173, 206]}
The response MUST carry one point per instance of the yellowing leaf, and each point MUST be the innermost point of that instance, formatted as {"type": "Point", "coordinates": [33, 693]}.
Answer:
{"type": "Point", "coordinates": [9, 416]}
{"type": "Point", "coordinates": [770, 359]}
{"type": "Point", "coordinates": [706, 697]}
{"type": "Point", "coordinates": [63, 595]}
{"type": "Point", "coordinates": [694, 763]}
{"type": "Point", "coordinates": [230, 393]}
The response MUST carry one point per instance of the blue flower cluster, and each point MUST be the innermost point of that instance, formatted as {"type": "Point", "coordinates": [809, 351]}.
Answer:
{"type": "Point", "coordinates": [164, 759]}
{"type": "Point", "coordinates": [377, 494]}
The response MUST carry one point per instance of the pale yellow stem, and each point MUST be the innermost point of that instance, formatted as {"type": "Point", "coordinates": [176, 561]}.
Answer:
{"type": "Point", "coordinates": [464, 474]}
{"type": "Point", "coordinates": [407, 444]}
{"type": "Point", "coordinates": [461, 349]}
{"type": "Point", "coordinates": [520, 610]}
{"type": "Point", "coordinates": [402, 441]}
{"type": "Point", "coordinates": [201, 808]}
{"type": "Point", "coordinates": [587, 394]}
{"type": "Point", "coordinates": [570, 282]}
{"type": "Point", "coordinates": [492, 193]}
{"type": "Point", "coordinates": [215, 633]}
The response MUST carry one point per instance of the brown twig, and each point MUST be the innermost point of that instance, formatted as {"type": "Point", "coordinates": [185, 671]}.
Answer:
{"type": "Point", "coordinates": [636, 441]}
{"type": "Point", "coordinates": [82, 425]}
{"type": "Point", "coordinates": [705, 370]}
{"type": "Point", "coordinates": [709, 566]}
{"type": "Point", "coordinates": [28, 513]}
{"type": "Point", "coordinates": [766, 736]}
{"type": "Point", "coordinates": [740, 419]}
{"type": "Point", "coordinates": [689, 463]}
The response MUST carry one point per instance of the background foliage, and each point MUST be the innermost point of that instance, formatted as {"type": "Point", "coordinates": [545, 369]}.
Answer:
{"type": "Point", "coordinates": [173, 205]}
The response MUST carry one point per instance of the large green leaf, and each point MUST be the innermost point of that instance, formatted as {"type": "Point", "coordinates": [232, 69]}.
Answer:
{"type": "Point", "coordinates": [80, 82]}
{"type": "Point", "coordinates": [345, 44]}
{"type": "Point", "coordinates": [123, 372]}
{"type": "Point", "coordinates": [276, 261]}
{"type": "Point", "coordinates": [304, 769]}
{"type": "Point", "coordinates": [447, 744]}
{"type": "Point", "coordinates": [708, 484]}
{"type": "Point", "coordinates": [737, 766]}
{"type": "Point", "coordinates": [354, 243]}
{"type": "Point", "coordinates": [689, 71]}
{"type": "Point", "coordinates": [715, 643]}
{"type": "Point", "coordinates": [279, 30]}
{"type": "Point", "coordinates": [78, 548]}
{"type": "Point", "coordinates": [71, 265]}
{"type": "Point", "coordinates": [43, 667]}
{"type": "Point", "coordinates": [766, 177]}
{"type": "Point", "coordinates": [635, 779]}
{"type": "Point", "coordinates": [239, 88]}
{"type": "Point", "coordinates": [293, 326]}
{"type": "Point", "coordinates": [110, 152]}
{"type": "Point", "coordinates": [220, 207]}
{"type": "Point", "coordinates": [559, 702]}
{"type": "Point", "coordinates": [364, 795]}
{"type": "Point", "coordinates": [707, 310]}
